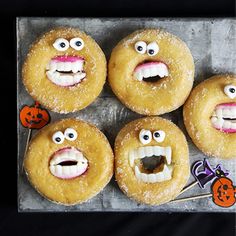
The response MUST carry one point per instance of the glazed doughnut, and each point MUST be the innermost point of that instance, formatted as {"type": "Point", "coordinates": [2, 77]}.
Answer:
{"type": "Point", "coordinates": [210, 116]}
{"type": "Point", "coordinates": [65, 70]}
{"type": "Point", "coordinates": [151, 160]}
{"type": "Point", "coordinates": [151, 71]}
{"type": "Point", "coordinates": [69, 161]}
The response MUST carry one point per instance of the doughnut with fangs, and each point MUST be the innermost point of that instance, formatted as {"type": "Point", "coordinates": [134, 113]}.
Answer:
{"type": "Point", "coordinates": [210, 116]}
{"type": "Point", "coordinates": [151, 71]}
{"type": "Point", "coordinates": [65, 70]}
{"type": "Point", "coordinates": [151, 160]}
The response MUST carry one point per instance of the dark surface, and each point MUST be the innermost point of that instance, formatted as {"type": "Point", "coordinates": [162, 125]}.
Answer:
{"type": "Point", "coordinates": [13, 223]}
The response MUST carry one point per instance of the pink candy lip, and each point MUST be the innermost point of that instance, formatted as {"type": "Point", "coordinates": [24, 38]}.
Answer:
{"type": "Point", "coordinates": [65, 149]}
{"type": "Point", "coordinates": [227, 130]}
{"type": "Point", "coordinates": [149, 64]}
{"type": "Point", "coordinates": [230, 104]}
{"type": "Point", "coordinates": [67, 58]}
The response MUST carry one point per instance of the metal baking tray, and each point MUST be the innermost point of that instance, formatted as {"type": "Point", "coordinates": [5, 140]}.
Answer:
{"type": "Point", "coordinates": [213, 45]}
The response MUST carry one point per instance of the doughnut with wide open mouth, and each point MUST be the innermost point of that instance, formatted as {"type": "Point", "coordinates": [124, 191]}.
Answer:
{"type": "Point", "coordinates": [64, 70]}
{"type": "Point", "coordinates": [69, 161]}
{"type": "Point", "coordinates": [151, 160]}
{"type": "Point", "coordinates": [210, 116]}
{"type": "Point", "coordinates": [148, 69]}
{"type": "Point", "coordinates": [151, 164]}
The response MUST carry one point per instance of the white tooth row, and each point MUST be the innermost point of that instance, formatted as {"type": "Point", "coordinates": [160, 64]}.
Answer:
{"type": "Point", "coordinates": [68, 171]}
{"type": "Point", "coordinates": [150, 71]}
{"type": "Point", "coordinates": [220, 123]}
{"type": "Point", "coordinates": [65, 80]}
{"type": "Point", "coordinates": [225, 112]}
{"type": "Point", "coordinates": [149, 151]}
{"type": "Point", "coordinates": [65, 66]}
{"type": "Point", "coordinates": [164, 175]}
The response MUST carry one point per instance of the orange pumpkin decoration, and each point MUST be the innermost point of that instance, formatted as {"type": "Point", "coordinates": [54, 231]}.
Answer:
{"type": "Point", "coordinates": [223, 192]}
{"type": "Point", "coordinates": [34, 117]}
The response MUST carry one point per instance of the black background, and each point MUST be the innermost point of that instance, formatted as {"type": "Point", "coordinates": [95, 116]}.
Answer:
{"type": "Point", "coordinates": [13, 223]}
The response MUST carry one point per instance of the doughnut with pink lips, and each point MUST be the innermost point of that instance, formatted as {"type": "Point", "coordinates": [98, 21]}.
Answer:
{"type": "Point", "coordinates": [65, 70]}
{"type": "Point", "coordinates": [69, 161]}
{"type": "Point", "coordinates": [148, 69]}
{"type": "Point", "coordinates": [210, 116]}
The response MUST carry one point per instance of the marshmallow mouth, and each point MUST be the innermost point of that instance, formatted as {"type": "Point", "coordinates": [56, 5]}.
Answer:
{"type": "Point", "coordinates": [68, 163]}
{"type": "Point", "coordinates": [150, 71]}
{"type": "Point", "coordinates": [66, 71]}
{"type": "Point", "coordinates": [151, 164]}
{"type": "Point", "coordinates": [224, 117]}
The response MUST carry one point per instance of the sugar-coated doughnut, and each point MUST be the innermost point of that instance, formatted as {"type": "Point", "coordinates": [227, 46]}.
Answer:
{"type": "Point", "coordinates": [65, 70]}
{"type": "Point", "coordinates": [69, 161]}
{"type": "Point", "coordinates": [210, 116]}
{"type": "Point", "coordinates": [151, 160]}
{"type": "Point", "coordinates": [151, 71]}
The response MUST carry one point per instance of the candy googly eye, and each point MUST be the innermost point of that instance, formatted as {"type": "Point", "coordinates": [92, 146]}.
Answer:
{"type": "Point", "coordinates": [230, 91]}
{"type": "Point", "coordinates": [140, 47]}
{"type": "Point", "coordinates": [152, 49]}
{"type": "Point", "coordinates": [61, 44]}
{"type": "Point", "coordinates": [58, 137]}
{"type": "Point", "coordinates": [70, 134]}
{"type": "Point", "coordinates": [145, 136]}
{"type": "Point", "coordinates": [159, 136]}
{"type": "Point", "coordinates": [77, 43]}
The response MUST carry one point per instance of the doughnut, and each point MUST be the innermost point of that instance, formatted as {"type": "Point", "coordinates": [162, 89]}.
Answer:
{"type": "Point", "coordinates": [69, 161]}
{"type": "Point", "coordinates": [151, 160]}
{"type": "Point", "coordinates": [65, 70]}
{"type": "Point", "coordinates": [210, 116]}
{"type": "Point", "coordinates": [151, 71]}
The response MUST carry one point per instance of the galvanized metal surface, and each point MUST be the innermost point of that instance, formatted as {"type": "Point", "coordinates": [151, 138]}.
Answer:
{"type": "Point", "coordinates": [213, 45]}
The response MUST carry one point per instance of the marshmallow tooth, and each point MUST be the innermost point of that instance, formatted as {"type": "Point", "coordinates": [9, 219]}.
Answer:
{"type": "Point", "coordinates": [168, 155]}
{"type": "Point", "coordinates": [166, 172]}
{"type": "Point", "coordinates": [137, 173]}
{"type": "Point", "coordinates": [131, 158]}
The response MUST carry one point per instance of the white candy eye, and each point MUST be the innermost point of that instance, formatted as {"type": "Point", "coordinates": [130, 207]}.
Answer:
{"type": "Point", "coordinates": [61, 44]}
{"type": "Point", "coordinates": [58, 137]}
{"type": "Point", "coordinates": [70, 134]}
{"type": "Point", "coordinates": [140, 47]}
{"type": "Point", "coordinates": [152, 49]}
{"type": "Point", "coordinates": [230, 91]}
{"type": "Point", "coordinates": [159, 136]}
{"type": "Point", "coordinates": [145, 136]}
{"type": "Point", "coordinates": [77, 43]}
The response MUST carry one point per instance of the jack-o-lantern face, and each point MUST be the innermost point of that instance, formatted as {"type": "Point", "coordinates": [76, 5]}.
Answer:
{"type": "Point", "coordinates": [34, 117]}
{"type": "Point", "coordinates": [223, 192]}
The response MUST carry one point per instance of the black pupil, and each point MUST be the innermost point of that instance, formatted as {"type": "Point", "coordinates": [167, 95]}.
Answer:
{"type": "Point", "coordinates": [62, 45]}
{"type": "Point", "coordinates": [151, 51]}
{"type": "Point", "coordinates": [39, 115]}
{"type": "Point", "coordinates": [140, 48]}
{"type": "Point", "coordinates": [232, 90]}
{"type": "Point", "coordinates": [78, 43]}
{"type": "Point", "coordinates": [157, 135]}
{"type": "Point", "coordinates": [71, 135]}
{"type": "Point", "coordinates": [58, 139]}
{"type": "Point", "coordinates": [145, 137]}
